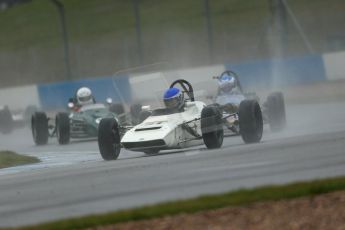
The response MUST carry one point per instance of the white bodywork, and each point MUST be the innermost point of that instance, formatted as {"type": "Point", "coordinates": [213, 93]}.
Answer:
{"type": "Point", "coordinates": [167, 131]}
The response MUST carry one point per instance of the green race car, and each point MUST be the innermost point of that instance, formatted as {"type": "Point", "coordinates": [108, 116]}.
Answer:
{"type": "Point", "coordinates": [75, 124]}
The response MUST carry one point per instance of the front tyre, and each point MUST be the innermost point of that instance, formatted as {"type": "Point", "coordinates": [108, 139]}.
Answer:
{"type": "Point", "coordinates": [109, 139]}
{"type": "Point", "coordinates": [250, 119]}
{"type": "Point", "coordinates": [62, 128]}
{"type": "Point", "coordinates": [39, 128]}
{"type": "Point", "coordinates": [212, 127]}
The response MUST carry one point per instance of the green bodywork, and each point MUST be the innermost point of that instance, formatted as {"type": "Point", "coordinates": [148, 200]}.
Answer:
{"type": "Point", "coordinates": [84, 124]}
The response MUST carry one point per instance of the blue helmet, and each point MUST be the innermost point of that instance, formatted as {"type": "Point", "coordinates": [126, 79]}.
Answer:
{"type": "Point", "coordinates": [173, 98]}
{"type": "Point", "coordinates": [226, 83]}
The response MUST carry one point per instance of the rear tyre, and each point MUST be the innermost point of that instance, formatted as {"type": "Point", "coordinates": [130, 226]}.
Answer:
{"type": "Point", "coordinates": [250, 119]}
{"type": "Point", "coordinates": [39, 128]}
{"type": "Point", "coordinates": [212, 127]}
{"type": "Point", "coordinates": [109, 139]}
{"type": "Point", "coordinates": [62, 125]}
{"type": "Point", "coordinates": [276, 111]}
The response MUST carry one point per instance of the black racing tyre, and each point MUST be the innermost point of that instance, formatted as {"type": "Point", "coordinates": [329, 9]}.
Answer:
{"type": "Point", "coordinates": [109, 139]}
{"type": "Point", "coordinates": [151, 151]}
{"type": "Point", "coordinates": [39, 128]}
{"type": "Point", "coordinates": [250, 119]}
{"type": "Point", "coordinates": [135, 110]}
{"type": "Point", "coordinates": [143, 115]}
{"type": "Point", "coordinates": [62, 125]}
{"type": "Point", "coordinates": [6, 121]}
{"type": "Point", "coordinates": [276, 111]}
{"type": "Point", "coordinates": [117, 108]}
{"type": "Point", "coordinates": [212, 127]}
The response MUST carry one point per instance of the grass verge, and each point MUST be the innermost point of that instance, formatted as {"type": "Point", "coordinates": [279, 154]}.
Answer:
{"type": "Point", "coordinates": [236, 198]}
{"type": "Point", "coordinates": [9, 159]}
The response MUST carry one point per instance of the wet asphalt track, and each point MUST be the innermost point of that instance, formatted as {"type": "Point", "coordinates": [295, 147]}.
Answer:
{"type": "Point", "coordinates": [73, 180]}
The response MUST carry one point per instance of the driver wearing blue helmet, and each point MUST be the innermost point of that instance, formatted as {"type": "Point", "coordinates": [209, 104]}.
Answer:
{"type": "Point", "coordinates": [227, 85]}
{"type": "Point", "coordinates": [173, 99]}
{"type": "Point", "coordinates": [229, 94]}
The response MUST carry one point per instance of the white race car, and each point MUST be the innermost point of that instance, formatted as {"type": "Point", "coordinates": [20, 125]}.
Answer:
{"type": "Point", "coordinates": [164, 129]}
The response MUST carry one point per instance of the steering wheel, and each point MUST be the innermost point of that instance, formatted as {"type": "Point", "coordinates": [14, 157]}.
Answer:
{"type": "Point", "coordinates": [232, 73]}
{"type": "Point", "coordinates": [186, 86]}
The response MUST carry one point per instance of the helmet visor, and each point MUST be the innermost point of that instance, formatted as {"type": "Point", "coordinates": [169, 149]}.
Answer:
{"type": "Point", "coordinates": [172, 102]}
{"type": "Point", "coordinates": [85, 98]}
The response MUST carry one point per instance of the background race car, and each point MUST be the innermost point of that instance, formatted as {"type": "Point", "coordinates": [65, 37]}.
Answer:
{"type": "Point", "coordinates": [66, 125]}
{"type": "Point", "coordinates": [273, 109]}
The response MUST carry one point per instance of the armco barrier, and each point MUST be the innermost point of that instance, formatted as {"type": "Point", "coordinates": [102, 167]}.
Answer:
{"type": "Point", "coordinates": [56, 95]}
{"type": "Point", "coordinates": [278, 72]}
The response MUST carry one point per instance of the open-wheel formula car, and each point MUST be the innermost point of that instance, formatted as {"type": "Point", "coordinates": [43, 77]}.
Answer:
{"type": "Point", "coordinates": [66, 125]}
{"type": "Point", "coordinates": [273, 109]}
{"type": "Point", "coordinates": [163, 129]}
